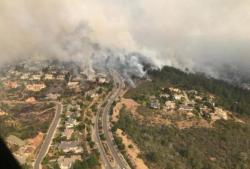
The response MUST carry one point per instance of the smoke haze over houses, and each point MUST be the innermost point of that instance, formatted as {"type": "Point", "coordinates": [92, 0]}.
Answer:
{"type": "Point", "coordinates": [212, 36]}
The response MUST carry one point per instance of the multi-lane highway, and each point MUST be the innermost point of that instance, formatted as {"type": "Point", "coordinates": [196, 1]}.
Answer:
{"type": "Point", "coordinates": [49, 136]}
{"type": "Point", "coordinates": [110, 154]}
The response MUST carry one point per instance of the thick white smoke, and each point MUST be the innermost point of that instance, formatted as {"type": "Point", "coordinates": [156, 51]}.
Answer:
{"type": "Point", "coordinates": [209, 36]}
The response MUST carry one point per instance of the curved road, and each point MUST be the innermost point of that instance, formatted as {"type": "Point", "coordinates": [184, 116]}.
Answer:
{"type": "Point", "coordinates": [49, 136]}
{"type": "Point", "coordinates": [103, 113]}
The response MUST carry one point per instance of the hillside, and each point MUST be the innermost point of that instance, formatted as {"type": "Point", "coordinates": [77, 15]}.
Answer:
{"type": "Point", "coordinates": [190, 121]}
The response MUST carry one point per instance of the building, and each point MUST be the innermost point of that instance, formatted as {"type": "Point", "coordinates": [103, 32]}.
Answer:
{"type": "Point", "coordinates": [154, 104]}
{"type": "Point", "coordinates": [192, 92]}
{"type": "Point", "coordinates": [36, 77]}
{"type": "Point", "coordinates": [48, 77]}
{"type": "Point", "coordinates": [72, 85]}
{"type": "Point", "coordinates": [35, 87]}
{"type": "Point", "coordinates": [219, 114]}
{"type": "Point", "coordinates": [52, 96]}
{"type": "Point", "coordinates": [70, 146]}
{"type": "Point", "coordinates": [178, 97]}
{"type": "Point", "coordinates": [12, 85]}
{"type": "Point", "coordinates": [176, 90]}
{"type": "Point", "coordinates": [170, 105]}
{"type": "Point", "coordinates": [70, 123]}
{"type": "Point", "coordinates": [30, 100]}
{"type": "Point", "coordinates": [186, 108]}
{"type": "Point", "coordinates": [69, 114]}
{"type": "Point", "coordinates": [165, 96]}
{"type": "Point", "coordinates": [60, 77]}
{"type": "Point", "coordinates": [25, 76]}
{"type": "Point", "coordinates": [66, 162]}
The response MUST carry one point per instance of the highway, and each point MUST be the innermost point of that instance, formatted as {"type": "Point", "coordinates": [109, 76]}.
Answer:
{"type": "Point", "coordinates": [49, 136]}
{"type": "Point", "coordinates": [118, 161]}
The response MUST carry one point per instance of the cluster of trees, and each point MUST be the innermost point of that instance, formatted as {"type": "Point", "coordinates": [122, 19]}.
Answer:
{"type": "Point", "coordinates": [91, 162]}
{"type": "Point", "coordinates": [166, 147]}
{"type": "Point", "coordinates": [118, 141]}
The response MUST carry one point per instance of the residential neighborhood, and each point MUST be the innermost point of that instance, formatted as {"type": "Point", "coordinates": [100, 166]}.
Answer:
{"type": "Point", "coordinates": [41, 88]}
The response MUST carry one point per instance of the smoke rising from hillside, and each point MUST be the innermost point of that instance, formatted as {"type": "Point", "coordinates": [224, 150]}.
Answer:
{"type": "Point", "coordinates": [209, 36]}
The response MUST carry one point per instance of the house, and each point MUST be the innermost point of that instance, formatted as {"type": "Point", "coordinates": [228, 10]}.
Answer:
{"type": "Point", "coordinates": [165, 95]}
{"type": "Point", "coordinates": [66, 162]}
{"type": "Point", "coordinates": [52, 96]}
{"type": "Point", "coordinates": [25, 76]}
{"type": "Point", "coordinates": [77, 78]}
{"type": "Point", "coordinates": [170, 105]}
{"type": "Point", "coordinates": [12, 85]}
{"type": "Point", "coordinates": [48, 77]}
{"type": "Point", "coordinates": [198, 98]}
{"type": "Point", "coordinates": [70, 146]}
{"type": "Point", "coordinates": [11, 71]}
{"type": "Point", "coordinates": [191, 103]}
{"type": "Point", "coordinates": [70, 123]}
{"type": "Point", "coordinates": [60, 77]}
{"type": "Point", "coordinates": [13, 140]}
{"type": "Point", "coordinates": [30, 100]}
{"type": "Point", "coordinates": [69, 114]}
{"type": "Point", "coordinates": [176, 90]}
{"type": "Point", "coordinates": [54, 72]}
{"type": "Point", "coordinates": [219, 114]}
{"type": "Point", "coordinates": [186, 108]}
{"type": "Point", "coordinates": [67, 133]}
{"type": "Point", "coordinates": [178, 97]}
{"type": "Point", "coordinates": [192, 92]}
{"type": "Point", "coordinates": [154, 104]}
{"type": "Point", "coordinates": [36, 77]}
{"type": "Point", "coordinates": [35, 87]}
{"type": "Point", "coordinates": [72, 85]}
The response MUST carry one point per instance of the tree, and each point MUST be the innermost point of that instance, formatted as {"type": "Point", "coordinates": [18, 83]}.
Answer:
{"type": "Point", "coordinates": [151, 156]}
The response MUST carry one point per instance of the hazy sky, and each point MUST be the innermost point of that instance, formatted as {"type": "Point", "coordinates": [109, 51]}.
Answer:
{"type": "Point", "coordinates": [202, 35]}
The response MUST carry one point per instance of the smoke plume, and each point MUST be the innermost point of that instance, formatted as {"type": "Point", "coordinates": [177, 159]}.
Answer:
{"type": "Point", "coordinates": [211, 36]}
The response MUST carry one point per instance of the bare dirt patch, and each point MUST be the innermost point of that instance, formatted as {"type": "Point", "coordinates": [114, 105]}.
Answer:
{"type": "Point", "coordinates": [132, 150]}
{"type": "Point", "coordinates": [129, 104]}
{"type": "Point", "coordinates": [36, 141]}
{"type": "Point", "coordinates": [193, 123]}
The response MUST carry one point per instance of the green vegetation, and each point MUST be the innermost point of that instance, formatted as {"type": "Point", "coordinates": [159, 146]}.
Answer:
{"type": "Point", "coordinates": [102, 136]}
{"type": "Point", "coordinates": [166, 147]}
{"type": "Point", "coordinates": [90, 162]}
{"type": "Point", "coordinates": [225, 146]}
{"type": "Point", "coordinates": [118, 141]}
{"type": "Point", "coordinates": [228, 96]}
{"type": "Point", "coordinates": [23, 121]}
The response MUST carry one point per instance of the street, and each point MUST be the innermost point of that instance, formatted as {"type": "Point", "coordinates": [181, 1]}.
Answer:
{"type": "Point", "coordinates": [49, 136]}
{"type": "Point", "coordinates": [119, 161]}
